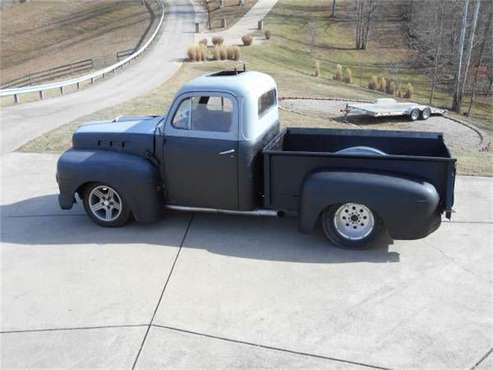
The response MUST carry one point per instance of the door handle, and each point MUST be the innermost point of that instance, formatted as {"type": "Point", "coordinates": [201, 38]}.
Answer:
{"type": "Point", "coordinates": [230, 151]}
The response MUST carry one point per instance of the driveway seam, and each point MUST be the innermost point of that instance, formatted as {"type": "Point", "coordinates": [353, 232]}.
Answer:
{"type": "Point", "coordinates": [74, 328]}
{"type": "Point", "coordinates": [285, 350]}
{"type": "Point", "coordinates": [162, 292]}
{"type": "Point", "coordinates": [482, 359]}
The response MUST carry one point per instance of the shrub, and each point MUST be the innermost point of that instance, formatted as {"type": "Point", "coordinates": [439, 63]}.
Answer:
{"type": "Point", "coordinates": [215, 53]}
{"type": "Point", "coordinates": [233, 52]}
{"type": "Point", "coordinates": [382, 84]}
{"type": "Point", "coordinates": [204, 42]}
{"type": "Point", "coordinates": [247, 40]}
{"type": "Point", "coordinates": [373, 83]}
{"type": "Point", "coordinates": [409, 91]}
{"type": "Point", "coordinates": [223, 54]}
{"type": "Point", "coordinates": [317, 69]}
{"type": "Point", "coordinates": [390, 88]}
{"type": "Point", "coordinates": [348, 76]}
{"type": "Point", "coordinates": [191, 54]}
{"type": "Point", "coordinates": [399, 91]}
{"type": "Point", "coordinates": [268, 35]}
{"type": "Point", "coordinates": [217, 41]}
{"type": "Point", "coordinates": [202, 53]}
{"type": "Point", "coordinates": [338, 75]}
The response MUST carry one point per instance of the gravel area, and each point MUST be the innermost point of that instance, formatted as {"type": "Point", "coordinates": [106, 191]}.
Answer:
{"type": "Point", "coordinates": [458, 137]}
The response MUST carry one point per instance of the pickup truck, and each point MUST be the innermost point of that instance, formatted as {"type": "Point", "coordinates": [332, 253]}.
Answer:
{"type": "Point", "coordinates": [221, 149]}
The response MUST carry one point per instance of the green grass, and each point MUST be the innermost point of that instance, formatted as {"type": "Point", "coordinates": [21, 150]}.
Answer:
{"type": "Point", "coordinates": [289, 58]}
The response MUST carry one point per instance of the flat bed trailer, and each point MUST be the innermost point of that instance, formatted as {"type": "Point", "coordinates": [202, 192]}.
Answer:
{"type": "Point", "coordinates": [387, 107]}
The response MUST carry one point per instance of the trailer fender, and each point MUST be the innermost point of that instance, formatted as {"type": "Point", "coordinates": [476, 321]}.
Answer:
{"type": "Point", "coordinates": [408, 207]}
{"type": "Point", "coordinates": [135, 177]}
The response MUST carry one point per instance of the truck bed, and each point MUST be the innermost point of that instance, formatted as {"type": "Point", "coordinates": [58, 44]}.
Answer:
{"type": "Point", "coordinates": [296, 152]}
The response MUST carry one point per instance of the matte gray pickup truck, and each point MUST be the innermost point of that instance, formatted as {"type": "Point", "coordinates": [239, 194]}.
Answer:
{"type": "Point", "coordinates": [220, 148]}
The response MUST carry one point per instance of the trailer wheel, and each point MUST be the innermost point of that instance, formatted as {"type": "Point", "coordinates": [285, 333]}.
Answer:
{"type": "Point", "coordinates": [351, 225]}
{"type": "Point", "coordinates": [425, 113]}
{"type": "Point", "coordinates": [106, 206]}
{"type": "Point", "coordinates": [414, 115]}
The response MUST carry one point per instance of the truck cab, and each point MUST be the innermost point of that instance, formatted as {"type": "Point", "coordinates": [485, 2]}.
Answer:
{"type": "Point", "coordinates": [211, 140]}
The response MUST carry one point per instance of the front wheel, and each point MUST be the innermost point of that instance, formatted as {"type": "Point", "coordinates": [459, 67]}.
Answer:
{"type": "Point", "coordinates": [351, 225]}
{"type": "Point", "coordinates": [106, 206]}
{"type": "Point", "coordinates": [414, 115]}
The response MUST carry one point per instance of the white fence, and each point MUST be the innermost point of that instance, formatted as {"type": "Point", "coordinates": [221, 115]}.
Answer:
{"type": "Point", "coordinates": [15, 92]}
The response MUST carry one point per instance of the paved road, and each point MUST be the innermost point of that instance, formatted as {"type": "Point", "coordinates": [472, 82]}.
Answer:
{"type": "Point", "coordinates": [24, 122]}
{"type": "Point", "coordinates": [246, 25]}
{"type": "Point", "coordinates": [201, 290]}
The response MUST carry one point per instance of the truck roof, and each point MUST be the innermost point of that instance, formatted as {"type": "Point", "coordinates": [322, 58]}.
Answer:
{"type": "Point", "coordinates": [249, 84]}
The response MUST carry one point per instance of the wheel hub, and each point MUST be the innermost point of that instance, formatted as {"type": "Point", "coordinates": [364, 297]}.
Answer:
{"type": "Point", "coordinates": [354, 221]}
{"type": "Point", "coordinates": [105, 203]}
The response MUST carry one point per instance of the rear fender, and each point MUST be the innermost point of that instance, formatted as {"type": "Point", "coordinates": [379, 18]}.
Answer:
{"type": "Point", "coordinates": [135, 177]}
{"type": "Point", "coordinates": [407, 207]}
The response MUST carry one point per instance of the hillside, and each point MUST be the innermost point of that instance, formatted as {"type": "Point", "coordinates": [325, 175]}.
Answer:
{"type": "Point", "coordinates": [38, 35]}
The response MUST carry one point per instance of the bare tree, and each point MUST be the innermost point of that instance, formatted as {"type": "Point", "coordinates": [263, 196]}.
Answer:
{"type": "Point", "coordinates": [482, 48]}
{"type": "Point", "coordinates": [439, 19]}
{"type": "Point", "coordinates": [461, 76]}
{"type": "Point", "coordinates": [333, 8]}
{"type": "Point", "coordinates": [365, 10]}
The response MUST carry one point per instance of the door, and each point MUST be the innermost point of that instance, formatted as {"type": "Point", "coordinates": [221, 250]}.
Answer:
{"type": "Point", "coordinates": [200, 152]}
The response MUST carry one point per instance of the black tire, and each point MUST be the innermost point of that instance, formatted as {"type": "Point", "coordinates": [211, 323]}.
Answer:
{"type": "Point", "coordinates": [425, 114]}
{"type": "Point", "coordinates": [119, 216]}
{"type": "Point", "coordinates": [338, 239]}
{"type": "Point", "coordinates": [414, 114]}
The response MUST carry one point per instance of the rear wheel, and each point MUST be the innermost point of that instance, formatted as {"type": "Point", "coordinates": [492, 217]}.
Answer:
{"type": "Point", "coordinates": [106, 206]}
{"type": "Point", "coordinates": [351, 225]}
{"type": "Point", "coordinates": [414, 115]}
{"type": "Point", "coordinates": [425, 114]}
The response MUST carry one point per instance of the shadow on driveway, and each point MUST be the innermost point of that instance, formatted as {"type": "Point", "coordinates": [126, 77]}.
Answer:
{"type": "Point", "coordinates": [39, 221]}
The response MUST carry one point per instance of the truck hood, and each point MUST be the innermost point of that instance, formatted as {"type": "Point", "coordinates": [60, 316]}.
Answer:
{"type": "Point", "coordinates": [129, 134]}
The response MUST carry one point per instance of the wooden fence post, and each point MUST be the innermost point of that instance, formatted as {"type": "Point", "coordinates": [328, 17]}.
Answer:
{"type": "Point", "coordinates": [41, 95]}
{"type": "Point", "coordinates": [261, 25]}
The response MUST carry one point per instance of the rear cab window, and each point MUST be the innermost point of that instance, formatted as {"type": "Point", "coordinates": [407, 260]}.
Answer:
{"type": "Point", "coordinates": [267, 101]}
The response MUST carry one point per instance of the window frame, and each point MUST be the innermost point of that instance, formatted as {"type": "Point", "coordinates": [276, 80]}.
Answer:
{"type": "Point", "coordinates": [232, 135]}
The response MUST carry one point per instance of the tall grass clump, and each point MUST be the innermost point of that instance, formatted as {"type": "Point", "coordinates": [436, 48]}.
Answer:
{"type": "Point", "coordinates": [373, 83]}
{"type": "Point", "coordinates": [338, 76]}
{"type": "Point", "coordinates": [192, 56]}
{"type": "Point", "coordinates": [247, 40]}
{"type": "Point", "coordinates": [233, 52]}
{"type": "Point", "coordinates": [223, 53]}
{"type": "Point", "coordinates": [267, 35]}
{"type": "Point", "coordinates": [348, 76]}
{"type": "Point", "coordinates": [408, 91]}
{"type": "Point", "coordinates": [217, 41]}
{"type": "Point", "coordinates": [203, 42]}
{"type": "Point", "coordinates": [316, 73]}
{"type": "Point", "coordinates": [382, 84]}
{"type": "Point", "coordinates": [390, 88]}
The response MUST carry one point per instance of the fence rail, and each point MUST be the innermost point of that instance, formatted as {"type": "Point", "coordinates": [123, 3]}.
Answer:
{"type": "Point", "coordinates": [16, 92]}
{"type": "Point", "coordinates": [51, 73]}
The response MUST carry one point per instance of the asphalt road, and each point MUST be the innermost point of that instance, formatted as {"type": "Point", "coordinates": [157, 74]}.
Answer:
{"type": "Point", "coordinates": [22, 123]}
{"type": "Point", "coordinates": [204, 290]}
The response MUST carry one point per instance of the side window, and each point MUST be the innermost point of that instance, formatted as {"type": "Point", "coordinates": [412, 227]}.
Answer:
{"type": "Point", "coordinates": [266, 101]}
{"type": "Point", "coordinates": [182, 116]}
{"type": "Point", "coordinates": [212, 114]}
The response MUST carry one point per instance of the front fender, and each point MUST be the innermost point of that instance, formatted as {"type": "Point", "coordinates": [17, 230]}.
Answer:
{"type": "Point", "coordinates": [134, 176]}
{"type": "Point", "coordinates": [407, 207]}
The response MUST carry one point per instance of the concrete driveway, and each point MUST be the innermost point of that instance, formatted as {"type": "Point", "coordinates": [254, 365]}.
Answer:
{"type": "Point", "coordinates": [212, 291]}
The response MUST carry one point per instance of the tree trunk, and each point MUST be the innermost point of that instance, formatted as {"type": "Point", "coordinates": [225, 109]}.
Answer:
{"type": "Point", "coordinates": [437, 51]}
{"type": "Point", "coordinates": [333, 8]}
{"type": "Point", "coordinates": [486, 34]}
{"type": "Point", "coordinates": [458, 75]}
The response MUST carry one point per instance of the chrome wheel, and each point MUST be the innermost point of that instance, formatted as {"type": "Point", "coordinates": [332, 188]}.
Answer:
{"type": "Point", "coordinates": [426, 113]}
{"type": "Point", "coordinates": [354, 221]}
{"type": "Point", "coordinates": [105, 203]}
{"type": "Point", "coordinates": [414, 114]}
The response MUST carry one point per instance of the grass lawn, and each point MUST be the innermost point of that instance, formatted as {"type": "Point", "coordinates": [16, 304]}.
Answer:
{"type": "Point", "coordinates": [39, 35]}
{"type": "Point", "coordinates": [289, 58]}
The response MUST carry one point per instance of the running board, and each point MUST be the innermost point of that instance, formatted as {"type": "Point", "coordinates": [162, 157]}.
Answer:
{"type": "Point", "coordinates": [256, 212]}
